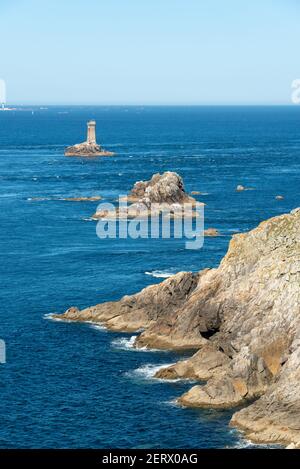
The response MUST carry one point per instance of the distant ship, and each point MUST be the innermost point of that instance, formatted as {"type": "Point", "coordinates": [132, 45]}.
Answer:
{"type": "Point", "coordinates": [4, 108]}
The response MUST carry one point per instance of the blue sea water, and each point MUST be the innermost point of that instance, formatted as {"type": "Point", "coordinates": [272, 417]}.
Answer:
{"type": "Point", "coordinates": [75, 385]}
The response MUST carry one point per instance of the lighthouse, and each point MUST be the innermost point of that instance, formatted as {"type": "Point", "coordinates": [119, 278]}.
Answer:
{"type": "Point", "coordinates": [91, 132]}
{"type": "Point", "coordinates": [89, 147]}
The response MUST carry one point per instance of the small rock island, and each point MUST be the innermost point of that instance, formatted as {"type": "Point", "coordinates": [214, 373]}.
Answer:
{"type": "Point", "coordinates": [90, 146]}
{"type": "Point", "coordinates": [162, 192]}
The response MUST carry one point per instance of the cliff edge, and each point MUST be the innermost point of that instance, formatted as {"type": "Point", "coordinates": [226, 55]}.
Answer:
{"type": "Point", "coordinates": [244, 320]}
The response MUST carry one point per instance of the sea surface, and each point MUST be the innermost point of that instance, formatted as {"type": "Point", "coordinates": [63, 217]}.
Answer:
{"type": "Point", "coordinates": [70, 385]}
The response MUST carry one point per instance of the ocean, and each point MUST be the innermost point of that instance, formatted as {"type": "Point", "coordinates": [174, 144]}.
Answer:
{"type": "Point", "coordinates": [70, 385]}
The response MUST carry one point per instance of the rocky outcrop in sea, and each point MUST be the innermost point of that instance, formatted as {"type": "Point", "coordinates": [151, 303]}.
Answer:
{"type": "Point", "coordinates": [162, 192]}
{"type": "Point", "coordinates": [87, 149]}
{"type": "Point", "coordinates": [243, 320]}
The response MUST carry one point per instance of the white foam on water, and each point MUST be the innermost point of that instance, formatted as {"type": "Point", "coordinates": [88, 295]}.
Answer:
{"type": "Point", "coordinates": [243, 443]}
{"type": "Point", "coordinates": [160, 273]}
{"type": "Point", "coordinates": [124, 343]}
{"type": "Point", "coordinates": [172, 403]}
{"type": "Point", "coordinates": [50, 317]}
{"type": "Point", "coordinates": [92, 324]}
{"type": "Point", "coordinates": [147, 372]}
{"type": "Point", "coordinates": [11, 194]}
{"type": "Point", "coordinates": [38, 199]}
{"type": "Point", "coordinates": [98, 327]}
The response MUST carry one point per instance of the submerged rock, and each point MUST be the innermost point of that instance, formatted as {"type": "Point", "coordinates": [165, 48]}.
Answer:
{"type": "Point", "coordinates": [93, 198]}
{"type": "Point", "coordinates": [211, 232]}
{"type": "Point", "coordinates": [243, 318]}
{"type": "Point", "coordinates": [90, 147]}
{"type": "Point", "coordinates": [241, 188]}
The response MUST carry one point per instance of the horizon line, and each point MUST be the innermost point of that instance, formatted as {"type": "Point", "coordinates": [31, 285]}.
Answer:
{"type": "Point", "coordinates": [42, 104]}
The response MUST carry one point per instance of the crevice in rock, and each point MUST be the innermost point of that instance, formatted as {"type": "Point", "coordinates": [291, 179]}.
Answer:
{"type": "Point", "coordinates": [209, 333]}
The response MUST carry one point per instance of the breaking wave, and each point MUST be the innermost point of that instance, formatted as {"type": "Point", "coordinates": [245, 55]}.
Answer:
{"type": "Point", "coordinates": [160, 273]}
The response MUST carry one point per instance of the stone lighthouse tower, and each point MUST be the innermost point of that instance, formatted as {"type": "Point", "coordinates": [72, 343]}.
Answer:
{"type": "Point", "coordinates": [91, 132]}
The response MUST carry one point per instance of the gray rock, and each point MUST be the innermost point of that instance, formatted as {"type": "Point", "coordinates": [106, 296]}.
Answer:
{"type": "Point", "coordinates": [163, 192]}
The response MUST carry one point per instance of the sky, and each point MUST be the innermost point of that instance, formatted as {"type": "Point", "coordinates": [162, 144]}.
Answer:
{"type": "Point", "coordinates": [149, 51]}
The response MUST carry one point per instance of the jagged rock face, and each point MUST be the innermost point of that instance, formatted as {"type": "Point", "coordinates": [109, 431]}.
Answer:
{"type": "Point", "coordinates": [244, 317]}
{"type": "Point", "coordinates": [162, 188]}
{"type": "Point", "coordinates": [164, 192]}
{"type": "Point", "coordinates": [195, 318]}
{"type": "Point", "coordinates": [275, 417]}
{"type": "Point", "coordinates": [259, 297]}
{"type": "Point", "coordinates": [87, 149]}
{"type": "Point", "coordinates": [202, 366]}
{"type": "Point", "coordinates": [140, 311]}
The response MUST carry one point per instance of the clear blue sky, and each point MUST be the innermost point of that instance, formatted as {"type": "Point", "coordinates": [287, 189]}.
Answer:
{"type": "Point", "coordinates": [149, 51]}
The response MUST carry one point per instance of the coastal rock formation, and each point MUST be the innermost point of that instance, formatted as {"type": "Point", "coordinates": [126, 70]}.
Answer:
{"type": "Point", "coordinates": [162, 192]}
{"type": "Point", "coordinates": [202, 366]}
{"type": "Point", "coordinates": [161, 188]}
{"type": "Point", "coordinates": [87, 149]}
{"type": "Point", "coordinates": [92, 198]}
{"type": "Point", "coordinates": [90, 146]}
{"type": "Point", "coordinates": [144, 309]}
{"type": "Point", "coordinates": [243, 318]}
{"type": "Point", "coordinates": [213, 232]}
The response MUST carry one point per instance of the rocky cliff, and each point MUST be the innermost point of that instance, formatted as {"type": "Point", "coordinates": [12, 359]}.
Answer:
{"type": "Point", "coordinates": [244, 320]}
